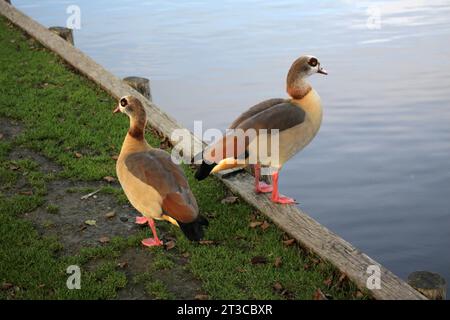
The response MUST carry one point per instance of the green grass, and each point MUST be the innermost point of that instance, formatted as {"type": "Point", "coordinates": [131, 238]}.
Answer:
{"type": "Point", "coordinates": [63, 113]}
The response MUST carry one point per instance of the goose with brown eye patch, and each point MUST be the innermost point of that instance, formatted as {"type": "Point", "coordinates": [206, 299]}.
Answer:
{"type": "Point", "coordinates": [152, 182]}
{"type": "Point", "coordinates": [297, 119]}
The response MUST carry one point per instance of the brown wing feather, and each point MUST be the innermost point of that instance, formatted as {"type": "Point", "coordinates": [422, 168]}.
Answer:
{"type": "Point", "coordinates": [155, 168]}
{"type": "Point", "coordinates": [266, 115]}
{"type": "Point", "coordinates": [255, 110]}
{"type": "Point", "coordinates": [281, 116]}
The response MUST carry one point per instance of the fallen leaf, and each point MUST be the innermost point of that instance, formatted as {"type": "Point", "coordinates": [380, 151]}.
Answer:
{"type": "Point", "coordinates": [241, 270]}
{"type": "Point", "coordinates": [265, 225]}
{"type": "Point", "coordinates": [109, 179]}
{"type": "Point", "coordinates": [110, 215]}
{"type": "Point", "coordinates": [13, 167]}
{"type": "Point", "coordinates": [277, 287]}
{"type": "Point", "coordinates": [186, 254]}
{"type": "Point", "coordinates": [122, 265]}
{"type": "Point", "coordinates": [78, 155]}
{"type": "Point", "coordinates": [255, 224]}
{"type": "Point", "coordinates": [206, 242]}
{"type": "Point", "coordinates": [201, 297]}
{"type": "Point", "coordinates": [103, 240]}
{"type": "Point", "coordinates": [259, 260]}
{"type": "Point", "coordinates": [1, 136]}
{"type": "Point", "coordinates": [26, 193]}
{"type": "Point", "coordinates": [341, 279]}
{"type": "Point", "coordinates": [42, 285]}
{"type": "Point", "coordinates": [319, 295]}
{"type": "Point", "coordinates": [229, 200]}
{"type": "Point", "coordinates": [115, 157]}
{"type": "Point", "coordinates": [328, 282]}
{"type": "Point", "coordinates": [277, 262]}
{"type": "Point", "coordinates": [170, 245]}
{"type": "Point", "coordinates": [289, 242]}
{"type": "Point", "coordinates": [306, 266]}
{"type": "Point", "coordinates": [90, 222]}
{"type": "Point", "coordinates": [7, 285]}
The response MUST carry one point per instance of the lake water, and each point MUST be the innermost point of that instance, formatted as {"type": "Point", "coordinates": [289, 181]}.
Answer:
{"type": "Point", "coordinates": [378, 173]}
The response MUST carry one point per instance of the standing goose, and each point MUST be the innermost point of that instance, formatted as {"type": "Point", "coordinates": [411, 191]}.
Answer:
{"type": "Point", "coordinates": [153, 184]}
{"type": "Point", "coordinates": [297, 120]}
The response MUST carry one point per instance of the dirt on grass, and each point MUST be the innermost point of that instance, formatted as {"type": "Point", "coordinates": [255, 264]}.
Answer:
{"type": "Point", "coordinates": [80, 221]}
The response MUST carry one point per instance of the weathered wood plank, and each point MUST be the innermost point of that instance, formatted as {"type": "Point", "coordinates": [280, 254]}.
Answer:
{"type": "Point", "coordinates": [322, 241]}
{"type": "Point", "coordinates": [295, 222]}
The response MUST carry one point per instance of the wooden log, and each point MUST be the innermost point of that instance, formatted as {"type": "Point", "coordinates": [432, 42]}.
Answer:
{"type": "Point", "coordinates": [65, 33]}
{"type": "Point", "coordinates": [430, 284]}
{"type": "Point", "coordinates": [142, 85]}
{"type": "Point", "coordinates": [295, 222]}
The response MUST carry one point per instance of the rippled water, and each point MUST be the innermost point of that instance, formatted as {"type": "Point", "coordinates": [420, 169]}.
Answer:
{"type": "Point", "coordinates": [378, 173]}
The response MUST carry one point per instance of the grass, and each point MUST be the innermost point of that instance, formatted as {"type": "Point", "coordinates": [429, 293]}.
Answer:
{"type": "Point", "coordinates": [68, 119]}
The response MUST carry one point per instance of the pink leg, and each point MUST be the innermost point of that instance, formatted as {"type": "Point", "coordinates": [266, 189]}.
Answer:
{"type": "Point", "coordinates": [276, 197]}
{"type": "Point", "coordinates": [260, 187]}
{"type": "Point", "coordinates": [149, 242]}
{"type": "Point", "coordinates": [141, 220]}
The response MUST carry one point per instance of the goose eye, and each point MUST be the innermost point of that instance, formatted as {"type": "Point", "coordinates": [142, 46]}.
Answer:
{"type": "Point", "coordinates": [312, 62]}
{"type": "Point", "coordinates": [123, 102]}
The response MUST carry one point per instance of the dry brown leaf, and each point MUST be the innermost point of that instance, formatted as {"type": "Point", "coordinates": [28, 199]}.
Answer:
{"type": "Point", "coordinates": [26, 193]}
{"type": "Point", "coordinates": [341, 279]}
{"type": "Point", "coordinates": [229, 200]}
{"type": "Point", "coordinates": [277, 287]}
{"type": "Point", "coordinates": [115, 157]}
{"type": "Point", "coordinates": [13, 167]}
{"type": "Point", "coordinates": [186, 254]}
{"type": "Point", "coordinates": [306, 266]}
{"type": "Point", "coordinates": [328, 282]}
{"type": "Point", "coordinates": [241, 270]}
{"type": "Point", "coordinates": [78, 155]}
{"type": "Point", "coordinates": [1, 136]}
{"type": "Point", "coordinates": [109, 179]}
{"type": "Point", "coordinates": [110, 215]}
{"type": "Point", "coordinates": [319, 295]}
{"type": "Point", "coordinates": [169, 245]}
{"type": "Point", "coordinates": [201, 297]}
{"type": "Point", "coordinates": [289, 242]}
{"type": "Point", "coordinates": [255, 224]}
{"type": "Point", "coordinates": [7, 285]}
{"type": "Point", "coordinates": [206, 242]}
{"type": "Point", "coordinates": [259, 260]}
{"type": "Point", "coordinates": [103, 240]}
{"type": "Point", "coordinates": [265, 225]}
{"type": "Point", "coordinates": [278, 262]}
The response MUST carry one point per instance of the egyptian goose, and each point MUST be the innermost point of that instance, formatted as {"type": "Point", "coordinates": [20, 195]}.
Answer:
{"type": "Point", "coordinates": [297, 119]}
{"type": "Point", "coordinates": [153, 184]}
